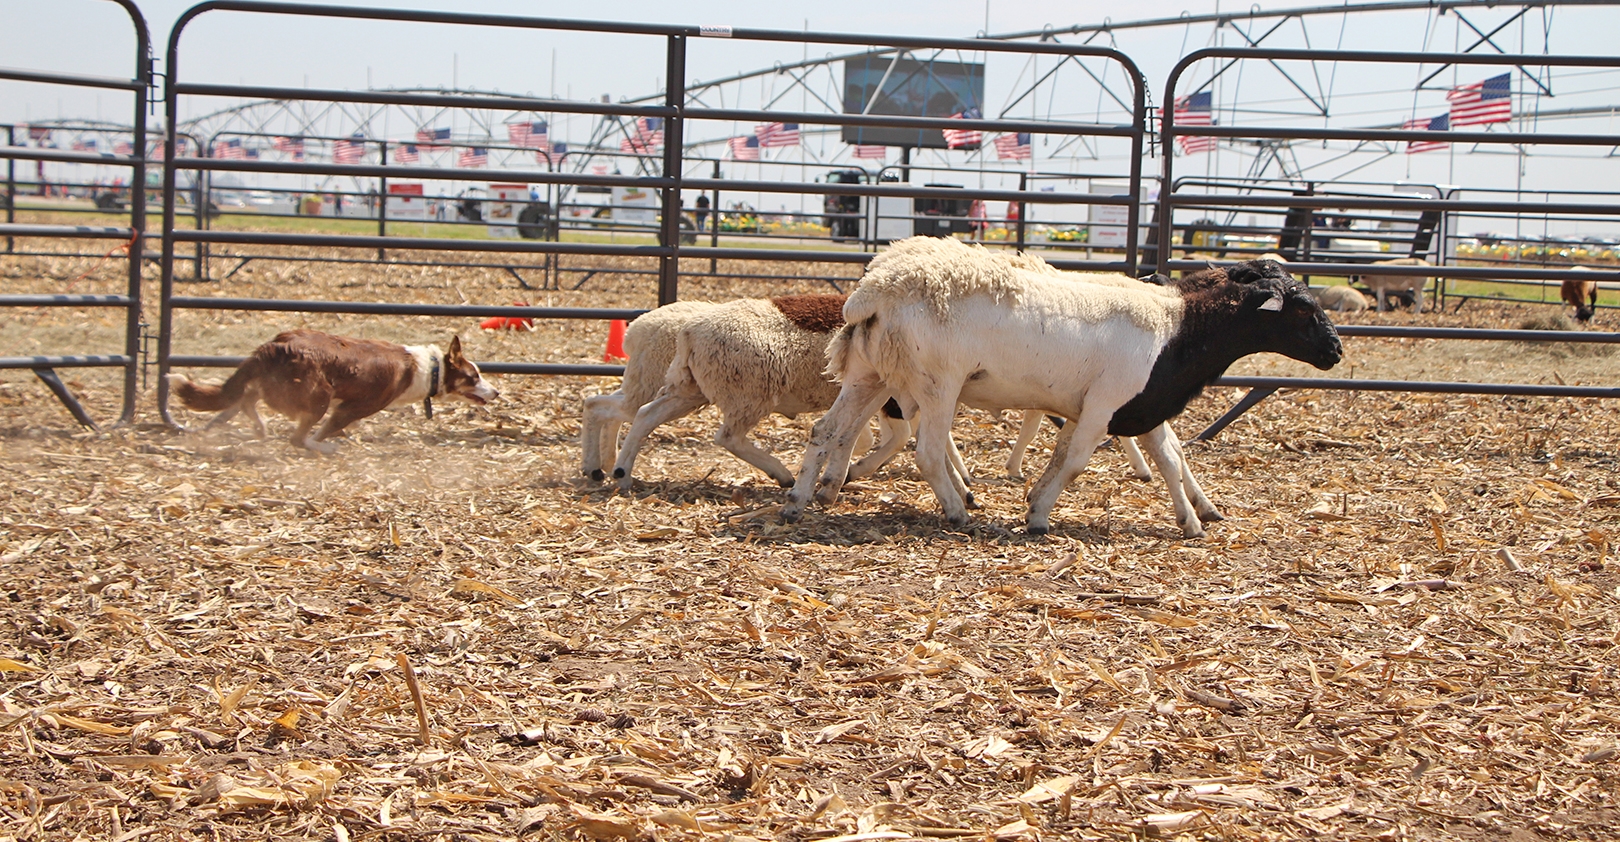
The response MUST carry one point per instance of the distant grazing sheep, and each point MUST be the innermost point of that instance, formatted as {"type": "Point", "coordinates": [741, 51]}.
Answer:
{"type": "Point", "coordinates": [1382, 285]}
{"type": "Point", "coordinates": [1581, 294]}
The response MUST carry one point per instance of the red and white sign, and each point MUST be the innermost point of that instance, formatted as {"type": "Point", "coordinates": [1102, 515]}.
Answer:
{"type": "Point", "coordinates": [405, 201]}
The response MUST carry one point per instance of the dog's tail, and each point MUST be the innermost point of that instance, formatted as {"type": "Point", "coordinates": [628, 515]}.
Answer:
{"type": "Point", "coordinates": [204, 397]}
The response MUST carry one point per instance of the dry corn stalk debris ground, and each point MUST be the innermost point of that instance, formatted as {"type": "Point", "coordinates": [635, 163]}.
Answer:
{"type": "Point", "coordinates": [1405, 629]}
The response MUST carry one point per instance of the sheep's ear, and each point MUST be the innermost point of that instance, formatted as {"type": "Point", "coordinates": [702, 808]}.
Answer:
{"type": "Point", "coordinates": [1273, 304]}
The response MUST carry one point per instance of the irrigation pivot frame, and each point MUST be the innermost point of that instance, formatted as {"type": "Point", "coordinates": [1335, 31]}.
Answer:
{"type": "Point", "coordinates": [135, 234]}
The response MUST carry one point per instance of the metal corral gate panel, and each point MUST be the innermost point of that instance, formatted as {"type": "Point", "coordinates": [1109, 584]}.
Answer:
{"type": "Point", "coordinates": [1261, 387]}
{"type": "Point", "coordinates": [669, 183]}
{"type": "Point", "coordinates": [134, 235]}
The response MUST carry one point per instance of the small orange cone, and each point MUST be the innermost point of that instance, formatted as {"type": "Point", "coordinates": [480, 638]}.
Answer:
{"type": "Point", "coordinates": [615, 345]}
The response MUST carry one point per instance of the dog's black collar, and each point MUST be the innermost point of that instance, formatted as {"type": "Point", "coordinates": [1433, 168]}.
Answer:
{"type": "Point", "coordinates": [433, 385]}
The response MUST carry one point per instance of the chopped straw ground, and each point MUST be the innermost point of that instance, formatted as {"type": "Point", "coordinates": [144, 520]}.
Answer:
{"type": "Point", "coordinates": [1405, 629]}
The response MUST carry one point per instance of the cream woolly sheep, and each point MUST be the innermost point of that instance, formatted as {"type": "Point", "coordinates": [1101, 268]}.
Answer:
{"type": "Point", "coordinates": [1580, 294]}
{"type": "Point", "coordinates": [649, 342]}
{"type": "Point", "coordinates": [943, 323]}
{"type": "Point", "coordinates": [750, 358]}
{"type": "Point", "coordinates": [1382, 285]}
{"type": "Point", "coordinates": [1342, 299]}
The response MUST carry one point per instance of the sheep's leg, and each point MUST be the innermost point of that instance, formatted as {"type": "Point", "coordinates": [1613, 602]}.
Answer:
{"type": "Point", "coordinates": [935, 411]}
{"type": "Point", "coordinates": [865, 399]}
{"type": "Point", "coordinates": [1026, 434]}
{"type": "Point", "coordinates": [896, 432]}
{"type": "Point", "coordinates": [604, 416]}
{"type": "Point", "coordinates": [1077, 442]}
{"type": "Point", "coordinates": [1166, 455]}
{"type": "Point", "coordinates": [673, 401]}
{"type": "Point", "coordinates": [1201, 504]}
{"type": "Point", "coordinates": [1139, 466]}
{"type": "Point", "coordinates": [1417, 298]}
{"type": "Point", "coordinates": [733, 436]}
{"type": "Point", "coordinates": [1380, 293]}
{"type": "Point", "coordinates": [849, 410]}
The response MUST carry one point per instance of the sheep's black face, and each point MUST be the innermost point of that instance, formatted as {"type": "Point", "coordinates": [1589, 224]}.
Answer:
{"type": "Point", "coordinates": [1289, 320]}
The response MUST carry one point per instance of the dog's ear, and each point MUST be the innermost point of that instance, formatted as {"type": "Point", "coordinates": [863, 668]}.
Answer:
{"type": "Point", "coordinates": [454, 353]}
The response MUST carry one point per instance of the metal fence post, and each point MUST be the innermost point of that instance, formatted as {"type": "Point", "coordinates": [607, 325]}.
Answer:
{"type": "Point", "coordinates": [674, 96]}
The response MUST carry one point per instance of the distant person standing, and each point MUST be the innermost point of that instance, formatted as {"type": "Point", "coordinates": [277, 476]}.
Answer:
{"type": "Point", "coordinates": [702, 212]}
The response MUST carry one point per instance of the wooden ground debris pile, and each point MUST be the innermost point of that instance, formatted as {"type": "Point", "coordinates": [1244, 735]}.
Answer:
{"type": "Point", "coordinates": [1407, 628]}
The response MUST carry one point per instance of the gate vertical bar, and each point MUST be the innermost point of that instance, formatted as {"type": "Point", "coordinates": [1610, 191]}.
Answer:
{"type": "Point", "coordinates": [382, 201]}
{"type": "Point", "coordinates": [137, 218]}
{"type": "Point", "coordinates": [11, 187]}
{"type": "Point", "coordinates": [670, 229]}
{"type": "Point", "coordinates": [171, 103]}
{"type": "Point", "coordinates": [1134, 210]}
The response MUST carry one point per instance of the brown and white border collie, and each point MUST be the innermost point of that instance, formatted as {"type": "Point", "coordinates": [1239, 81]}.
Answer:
{"type": "Point", "coordinates": [303, 373]}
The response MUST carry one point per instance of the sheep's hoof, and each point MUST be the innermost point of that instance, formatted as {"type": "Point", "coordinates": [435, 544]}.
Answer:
{"type": "Point", "coordinates": [785, 483]}
{"type": "Point", "coordinates": [1192, 531]}
{"type": "Point", "coordinates": [826, 495]}
{"type": "Point", "coordinates": [1037, 530]}
{"type": "Point", "coordinates": [1211, 516]}
{"type": "Point", "coordinates": [970, 502]}
{"type": "Point", "coordinates": [791, 514]}
{"type": "Point", "coordinates": [596, 475]}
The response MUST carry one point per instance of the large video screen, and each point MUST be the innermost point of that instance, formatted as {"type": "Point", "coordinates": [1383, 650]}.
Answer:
{"type": "Point", "coordinates": [913, 89]}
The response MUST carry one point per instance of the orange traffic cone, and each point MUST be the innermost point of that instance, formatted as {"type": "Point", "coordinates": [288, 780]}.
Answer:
{"type": "Point", "coordinates": [615, 344]}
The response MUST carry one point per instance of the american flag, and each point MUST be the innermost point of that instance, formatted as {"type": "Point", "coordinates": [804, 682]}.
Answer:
{"type": "Point", "coordinates": [349, 151]}
{"type": "Point", "coordinates": [251, 154]}
{"type": "Point", "coordinates": [406, 153]}
{"type": "Point", "coordinates": [230, 149]}
{"type": "Point", "coordinates": [82, 145]}
{"type": "Point", "coordinates": [123, 147]}
{"type": "Point", "coordinates": [473, 156]}
{"type": "Point", "coordinates": [866, 151]}
{"type": "Point", "coordinates": [39, 132]}
{"type": "Point", "coordinates": [558, 152]}
{"type": "Point", "coordinates": [599, 169]}
{"type": "Point", "coordinates": [650, 130]}
{"type": "Point", "coordinates": [1015, 146]}
{"type": "Point", "coordinates": [1195, 110]}
{"type": "Point", "coordinates": [532, 134]}
{"type": "Point", "coordinates": [965, 138]}
{"type": "Point", "coordinates": [744, 148]}
{"type": "Point", "coordinates": [431, 137]}
{"type": "Point", "coordinates": [1490, 101]}
{"type": "Point", "coordinates": [293, 146]}
{"type": "Point", "coordinates": [1433, 124]}
{"type": "Point", "coordinates": [777, 134]}
{"type": "Point", "coordinates": [636, 145]}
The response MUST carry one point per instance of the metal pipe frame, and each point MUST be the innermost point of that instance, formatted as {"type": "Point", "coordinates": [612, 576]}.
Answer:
{"type": "Point", "coordinates": [139, 84]}
{"type": "Point", "coordinates": [674, 111]}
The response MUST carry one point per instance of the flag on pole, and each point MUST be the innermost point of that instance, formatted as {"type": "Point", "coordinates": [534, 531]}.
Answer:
{"type": "Point", "coordinates": [430, 138]}
{"type": "Point", "coordinates": [293, 146]}
{"type": "Point", "coordinates": [1490, 101]}
{"type": "Point", "coordinates": [650, 131]}
{"type": "Point", "coordinates": [407, 154]}
{"type": "Point", "coordinates": [965, 138]}
{"type": "Point", "coordinates": [1014, 146]}
{"type": "Point", "coordinates": [230, 150]}
{"type": "Point", "coordinates": [1433, 124]}
{"type": "Point", "coordinates": [636, 146]}
{"type": "Point", "coordinates": [82, 145]}
{"type": "Point", "coordinates": [473, 156]}
{"type": "Point", "coordinates": [744, 148]}
{"type": "Point", "coordinates": [531, 134]}
{"type": "Point", "coordinates": [1195, 110]}
{"type": "Point", "coordinates": [123, 147]}
{"type": "Point", "coordinates": [777, 134]}
{"type": "Point", "coordinates": [349, 151]}
{"type": "Point", "coordinates": [39, 132]}
{"type": "Point", "coordinates": [869, 151]}
{"type": "Point", "coordinates": [557, 153]}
